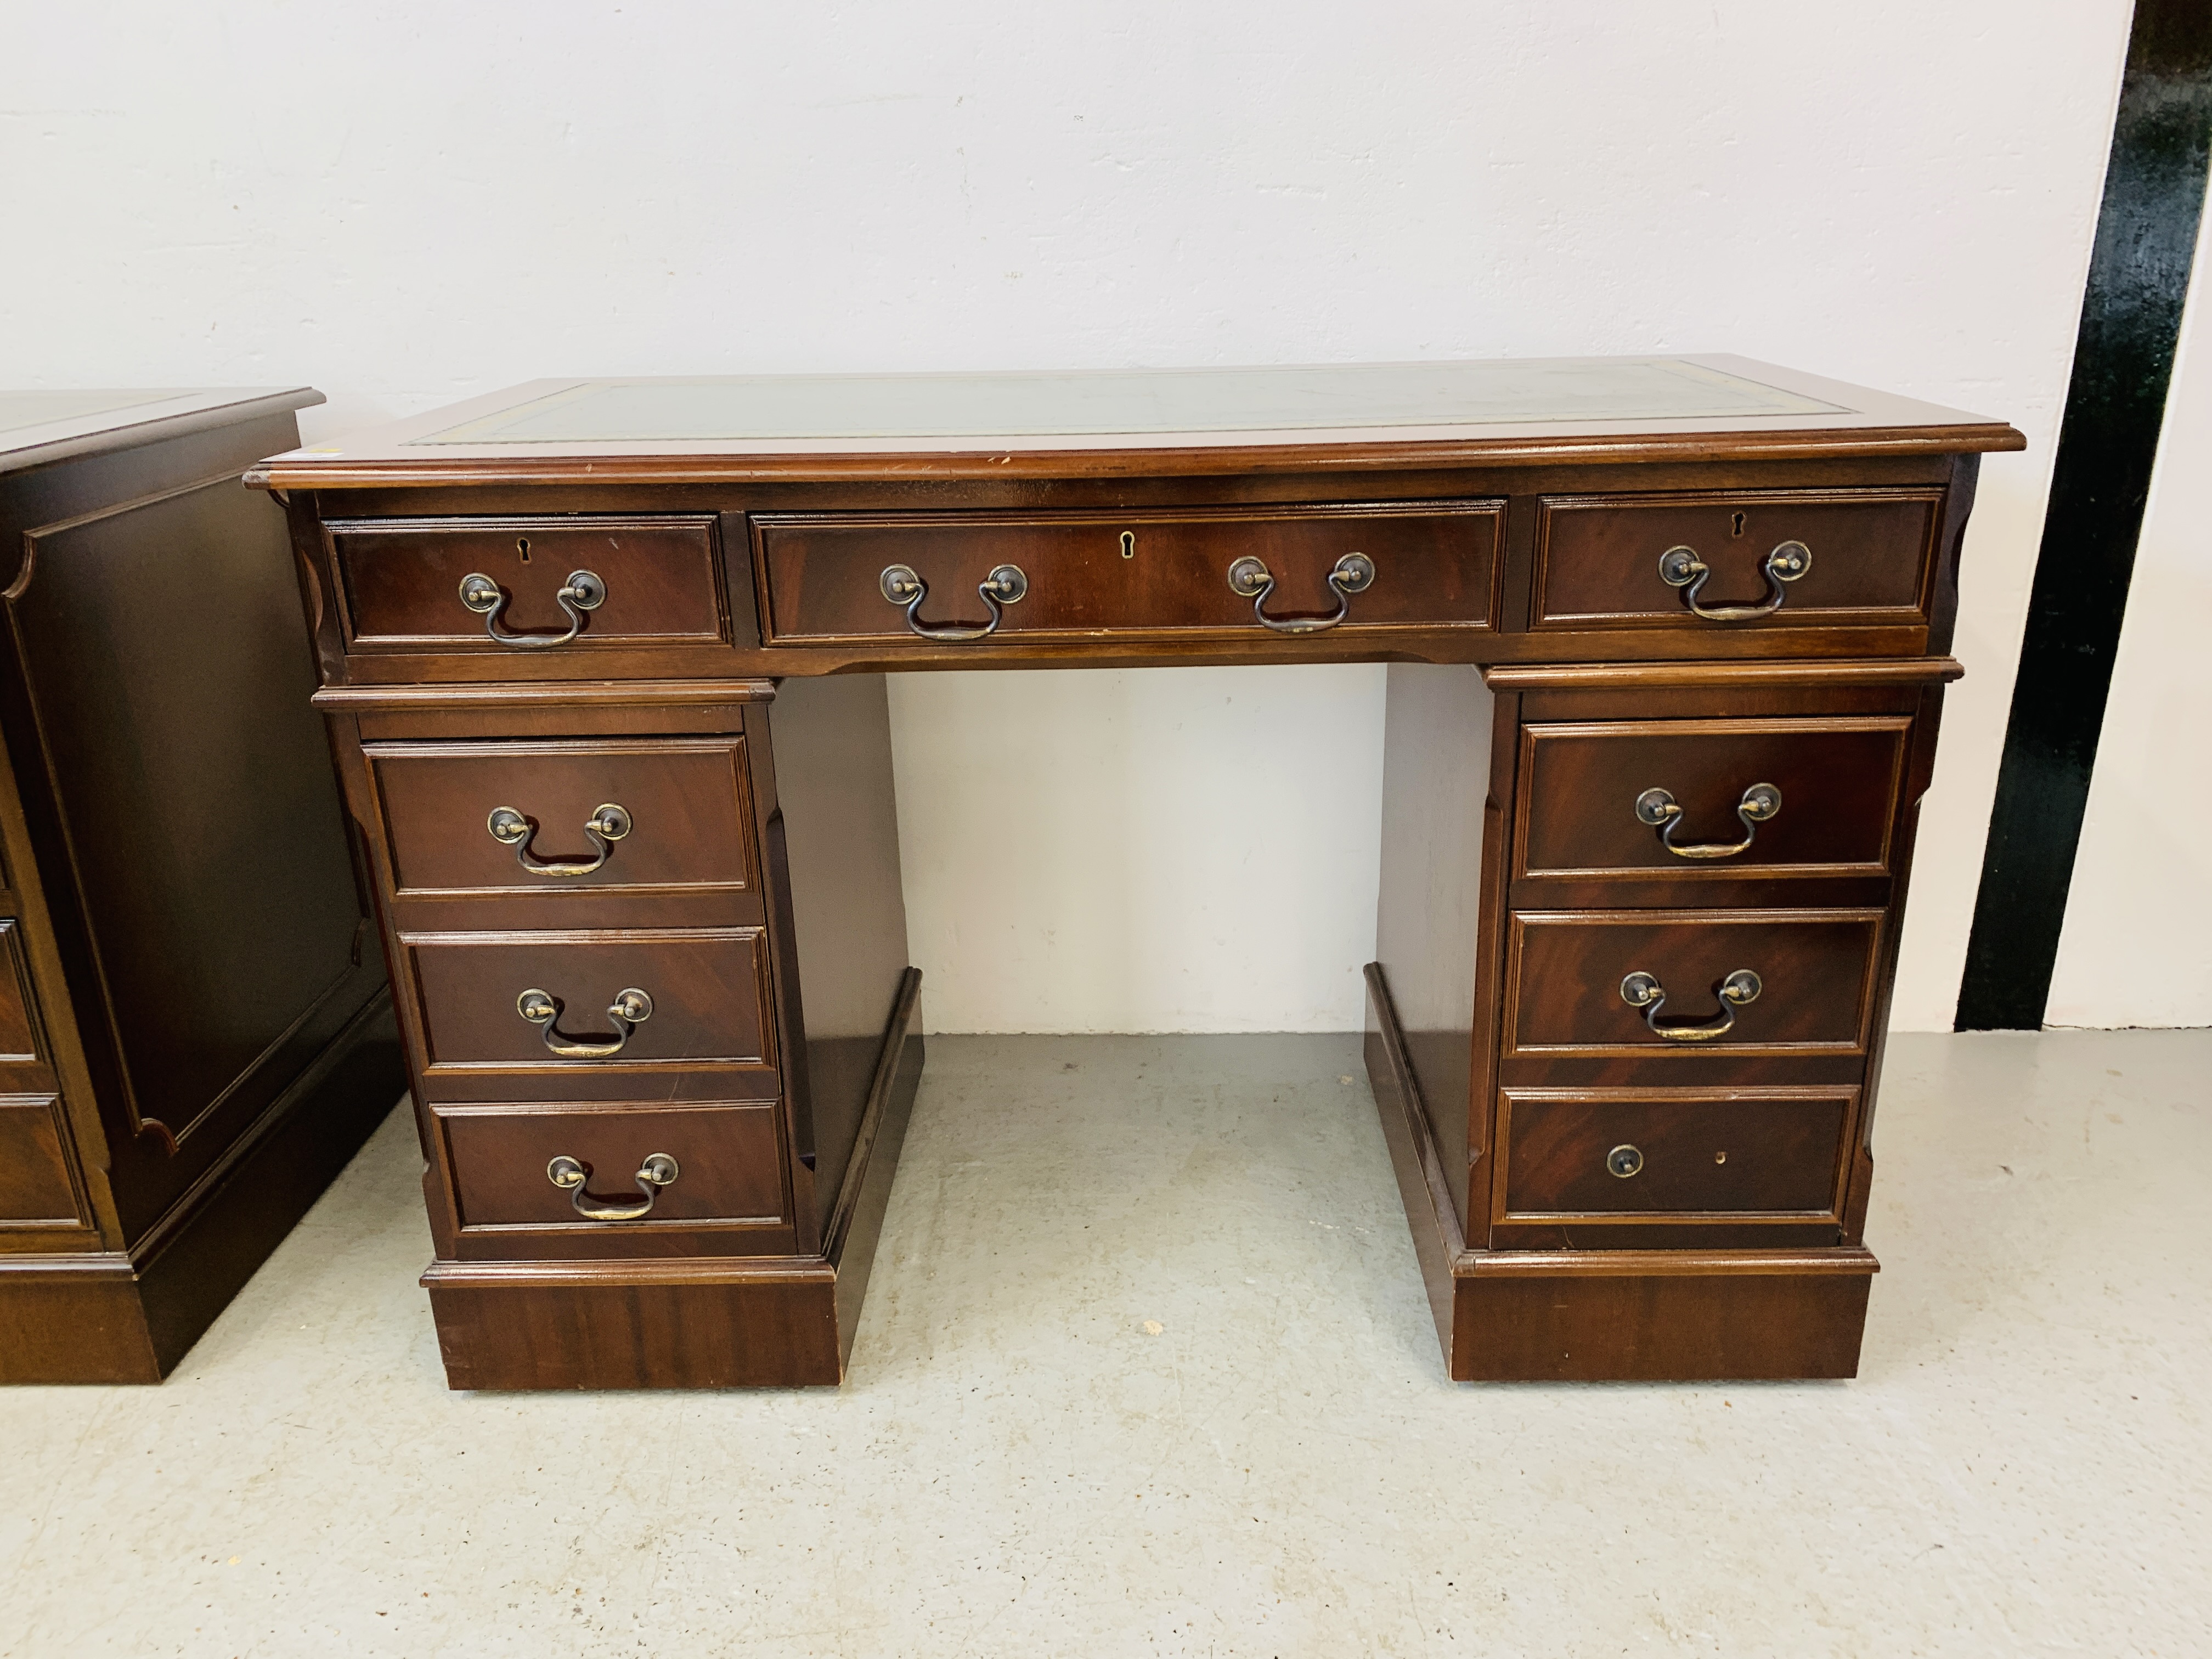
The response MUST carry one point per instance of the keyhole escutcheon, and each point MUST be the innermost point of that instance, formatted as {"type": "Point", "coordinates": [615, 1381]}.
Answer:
{"type": "Point", "coordinates": [1128, 544]}
{"type": "Point", "coordinates": [522, 546]}
{"type": "Point", "coordinates": [1736, 525]}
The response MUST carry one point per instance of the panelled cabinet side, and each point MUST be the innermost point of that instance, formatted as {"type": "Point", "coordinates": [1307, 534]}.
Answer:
{"type": "Point", "coordinates": [187, 898]}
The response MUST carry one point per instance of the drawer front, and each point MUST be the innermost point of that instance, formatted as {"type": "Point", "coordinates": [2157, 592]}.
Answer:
{"type": "Point", "coordinates": [400, 582]}
{"type": "Point", "coordinates": [708, 1018]}
{"type": "Point", "coordinates": [1673, 1154]}
{"type": "Point", "coordinates": [728, 1158]}
{"type": "Point", "coordinates": [497, 819]}
{"type": "Point", "coordinates": [1434, 564]}
{"type": "Point", "coordinates": [1588, 811]}
{"type": "Point", "coordinates": [1599, 558]}
{"type": "Point", "coordinates": [38, 1184]}
{"type": "Point", "coordinates": [1815, 970]}
{"type": "Point", "coordinates": [22, 1061]}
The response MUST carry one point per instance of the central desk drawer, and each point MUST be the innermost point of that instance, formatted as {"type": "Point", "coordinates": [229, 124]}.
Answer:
{"type": "Point", "coordinates": [1700, 799]}
{"type": "Point", "coordinates": [728, 1158]}
{"type": "Point", "coordinates": [613, 816]}
{"type": "Point", "coordinates": [1672, 1155]}
{"type": "Point", "coordinates": [1569, 990]}
{"type": "Point", "coordinates": [653, 582]}
{"type": "Point", "coordinates": [500, 1011]}
{"type": "Point", "coordinates": [1862, 556]}
{"type": "Point", "coordinates": [1430, 564]}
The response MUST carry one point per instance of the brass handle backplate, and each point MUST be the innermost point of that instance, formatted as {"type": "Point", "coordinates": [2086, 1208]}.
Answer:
{"type": "Point", "coordinates": [629, 1010]}
{"type": "Point", "coordinates": [608, 824]}
{"type": "Point", "coordinates": [1642, 990]}
{"type": "Point", "coordinates": [1006, 585]}
{"type": "Point", "coordinates": [569, 1174]}
{"type": "Point", "coordinates": [582, 591]}
{"type": "Point", "coordinates": [1680, 566]}
{"type": "Point", "coordinates": [1624, 1161]}
{"type": "Point", "coordinates": [1250, 579]}
{"type": "Point", "coordinates": [1660, 810]}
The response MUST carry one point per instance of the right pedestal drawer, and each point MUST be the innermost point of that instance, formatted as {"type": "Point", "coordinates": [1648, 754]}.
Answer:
{"type": "Point", "coordinates": [634, 1178]}
{"type": "Point", "coordinates": [1650, 1154]}
{"type": "Point", "coordinates": [1673, 985]}
{"type": "Point", "coordinates": [1709, 800]}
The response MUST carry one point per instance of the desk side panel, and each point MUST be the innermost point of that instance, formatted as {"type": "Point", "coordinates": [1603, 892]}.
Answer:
{"type": "Point", "coordinates": [1428, 928]}
{"type": "Point", "coordinates": [834, 828]}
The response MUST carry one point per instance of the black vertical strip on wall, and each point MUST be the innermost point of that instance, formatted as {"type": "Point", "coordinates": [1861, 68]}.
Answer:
{"type": "Point", "coordinates": [2115, 405]}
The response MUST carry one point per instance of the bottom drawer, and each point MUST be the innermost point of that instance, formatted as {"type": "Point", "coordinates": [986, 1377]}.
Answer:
{"type": "Point", "coordinates": [726, 1159]}
{"type": "Point", "coordinates": [1673, 1154]}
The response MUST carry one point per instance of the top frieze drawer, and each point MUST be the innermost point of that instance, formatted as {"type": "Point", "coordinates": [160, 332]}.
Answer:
{"type": "Point", "coordinates": [1716, 561]}
{"type": "Point", "coordinates": [526, 587]}
{"type": "Point", "coordinates": [1218, 573]}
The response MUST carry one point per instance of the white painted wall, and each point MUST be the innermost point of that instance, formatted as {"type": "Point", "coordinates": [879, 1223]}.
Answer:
{"type": "Point", "coordinates": [409, 203]}
{"type": "Point", "coordinates": [2137, 949]}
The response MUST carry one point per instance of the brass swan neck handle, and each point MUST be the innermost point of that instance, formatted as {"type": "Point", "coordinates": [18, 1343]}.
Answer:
{"type": "Point", "coordinates": [1739, 990]}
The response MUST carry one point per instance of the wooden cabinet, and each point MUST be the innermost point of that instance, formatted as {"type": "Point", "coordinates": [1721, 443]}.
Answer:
{"type": "Point", "coordinates": [1666, 645]}
{"type": "Point", "coordinates": [195, 1033]}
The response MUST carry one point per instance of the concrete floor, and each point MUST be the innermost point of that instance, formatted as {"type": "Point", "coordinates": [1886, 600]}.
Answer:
{"type": "Point", "coordinates": [1146, 1369]}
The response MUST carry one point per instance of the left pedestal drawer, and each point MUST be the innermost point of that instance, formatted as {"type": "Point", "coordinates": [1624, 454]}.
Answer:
{"type": "Point", "coordinates": [613, 1178]}
{"type": "Point", "coordinates": [675, 1013]}
{"type": "Point", "coordinates": [546, 819]}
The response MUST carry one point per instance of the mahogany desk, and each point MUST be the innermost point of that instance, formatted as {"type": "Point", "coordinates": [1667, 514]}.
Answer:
{"type": "Point", "coordinates": [604, 662]}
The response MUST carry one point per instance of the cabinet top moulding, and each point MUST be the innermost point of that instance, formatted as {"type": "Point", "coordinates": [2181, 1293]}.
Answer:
{"type": "Point", "coordinates": [39, 428]}
{"type": "Point", "coordinates": [1137, 423]}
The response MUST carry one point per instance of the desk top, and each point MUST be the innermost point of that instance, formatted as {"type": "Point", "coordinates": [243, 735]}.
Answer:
{"type": "Point", "coordinates": [1132, 421]}
{"type": "Point", "coordinates": [40, 427]}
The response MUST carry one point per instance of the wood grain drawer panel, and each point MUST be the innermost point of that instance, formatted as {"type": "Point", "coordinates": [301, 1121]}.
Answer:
{"type": "Point", "coordinates": [1597, 556]}
{"type": "Point", "coordinates": [21, 1053]}
{"type": "Point", "coordinates": [39, 1188]}
{"type": "Point", "coordinates": [1435, 565]}
{"type": "Point", "coordinates": [400, 582]}
{"type": "Point", "coordinates": [1768, 1155]}
{"type": "Point", "coordinates": [729, 1157]}
{"type": "Point", "coordinates": [689, 808]}
{"type": "Point", "coordinates": [1564, 970]}
{"type": "Point", "coordinates": [710, 1013]}
{"type": "Point", "coordinates": [1580, 782]}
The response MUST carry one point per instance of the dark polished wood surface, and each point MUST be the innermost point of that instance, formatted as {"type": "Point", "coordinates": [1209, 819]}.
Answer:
{"type": "Point", "coordinates": [194, 1029]}
{"type": "Point", "coordinates": [1138, 575]}
{"type": "Point", "coordinates": [1597, 556]}
{"type": "Point", "coordinates": [400, 581]}
{"type": "Point", "coordinates": [690, 807]}
{"type": "Point", "coordinates": [729, 695]}
{"type": "Point", "coordinates": [1837, 778]}
{"type": "Point", "coordinates": [1565, 970]}
{"type": "Point", "coordinates": [1778, 1154]}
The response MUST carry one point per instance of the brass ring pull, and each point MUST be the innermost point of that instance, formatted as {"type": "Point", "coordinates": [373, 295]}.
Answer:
{"type": "Point", "coordinates": [629, 1010]}
{"type": "Point", "coordinates": [1004, 586]}
{"type": "Point", "coordinates": [1738, 989]}
{"type": "Point", "coordinates": [1680, 566]}
{"type": "Point", "coordinates": [582, 591]}
{"type": "Point", "coordinates": [1659, 809]}
{"type": "Point", "coordinates": [1250, 579]}
{"type": "Point", "coordinates": [608, 824]}
{"type": "Point", "coordinates": [568, 1174]}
